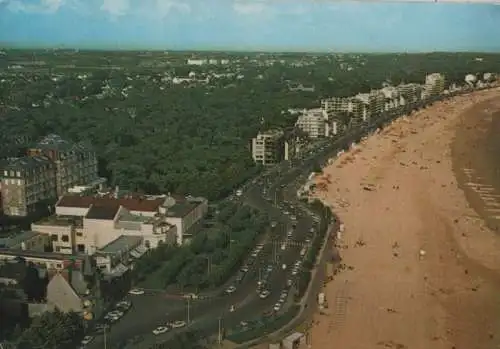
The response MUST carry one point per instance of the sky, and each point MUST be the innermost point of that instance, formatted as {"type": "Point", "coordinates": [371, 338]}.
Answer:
{"type": "Point", "coordinates": [265, 25]}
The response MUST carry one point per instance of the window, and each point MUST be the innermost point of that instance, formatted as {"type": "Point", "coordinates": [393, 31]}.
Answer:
{"type": "Point", "coordinates": [54, 237]}
{"type": "Point", "coordinates": [80, 234]}
{"type": "Point", "coordinates": [65, 238]}
{"type": "Point", "coordinates": [58, 248]}
{"type": "Point", "coordinates": [58, 265]}
{"type": "Point", "coordinates": [80, 247]}
{"type": "Point", "coordinates": [18, 174]}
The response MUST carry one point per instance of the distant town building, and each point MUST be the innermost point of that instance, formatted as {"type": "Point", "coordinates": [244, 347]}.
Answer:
{"type": "Point", "coordinates": [197, 61]}
{"type": "Point", "coordinates": [25, 182]}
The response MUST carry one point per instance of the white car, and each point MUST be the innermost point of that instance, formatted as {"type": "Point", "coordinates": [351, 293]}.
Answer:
{"type": "Point", "coordinates": [264, 294]}
{"type": "Point", "coordinates": [230, 289]}
{"type": "Point", "coordinates": [86, 340]}
{"type": "Point", "coordinates": [178, 324]}
{"type": "Point", "coordinates": [124, 305]}
{"type": "Point", "coordinates": [277, 307]}
{"type": "Point", "coordinates": [116, 313]}
{"type": "Point", "coordinates": [136, 291]}
{"type": "Point", "coordinates": [160, 330]}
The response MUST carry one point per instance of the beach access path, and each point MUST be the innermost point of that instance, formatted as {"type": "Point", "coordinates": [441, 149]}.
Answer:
{"type": "Point", "coordinates": [423, 267]}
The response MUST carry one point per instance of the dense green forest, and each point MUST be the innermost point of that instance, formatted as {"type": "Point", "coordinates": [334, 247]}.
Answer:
{"type": "Point", "coordinates": [155, 136]}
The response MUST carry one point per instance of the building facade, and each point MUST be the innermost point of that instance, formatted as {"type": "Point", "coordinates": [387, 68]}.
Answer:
{"type": "Point", "coordinates": [268, 148]}
{"type": "Point", "coordinates": [434, 85]}
{"type": "Point", "coordinates": [312, 122]}
{"type": "Point", "coordinates": [25, 182]}
{"type": "Point", "coordinates": [75, 163]}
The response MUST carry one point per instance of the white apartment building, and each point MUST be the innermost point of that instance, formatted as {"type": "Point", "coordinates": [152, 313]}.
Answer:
{"type": "Point", "coordinates": [268, 147]}
{"type": "Point", "coordinates": [392, 98]}
{"type": "Point", "coordinates": [313, 122]}
{"type": "Point", "coordinates": [361, 107]}
{"type": "Point", "coordinates": [193, 61]}
{"type": "Point", "coordinates": [434, 85]}
{"type": "Point", "coordinates": [410, 93]}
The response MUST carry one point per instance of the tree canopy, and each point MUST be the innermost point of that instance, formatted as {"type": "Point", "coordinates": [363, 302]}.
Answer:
{"type": "Point", "coordinates": [156, 136]}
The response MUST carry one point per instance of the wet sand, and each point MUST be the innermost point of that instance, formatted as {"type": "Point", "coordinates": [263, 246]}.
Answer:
{"type": "Point", "coordinates": [420, 241]}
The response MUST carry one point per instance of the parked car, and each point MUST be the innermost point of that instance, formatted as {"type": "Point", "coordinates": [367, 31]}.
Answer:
{"type": "Point", "coordinates": [136, 292]}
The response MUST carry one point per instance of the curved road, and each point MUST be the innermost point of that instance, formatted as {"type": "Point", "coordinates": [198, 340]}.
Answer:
{"type": "Point", "coordinates": [156, 308]}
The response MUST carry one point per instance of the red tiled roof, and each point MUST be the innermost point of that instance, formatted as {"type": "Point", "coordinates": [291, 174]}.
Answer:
{"type": "Point", "coordinates": [139, 204]}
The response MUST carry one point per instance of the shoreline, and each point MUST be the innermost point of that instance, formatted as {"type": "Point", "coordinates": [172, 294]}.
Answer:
{"type": "Point", "coordinates": [425, 268]}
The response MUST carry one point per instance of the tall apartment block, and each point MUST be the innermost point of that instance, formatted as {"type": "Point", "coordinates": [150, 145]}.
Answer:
{"type": "Point", "coordinates": [75, 163]}
{"type": "Point", "coordinates": [360, 107]}
{"type": "Point", "coordinates": [434, 85]}
{"type": "Point", "coordinates": [411, 93]}
{"type": "Point", "coordinates": [273, 146]}
{"type": "Point", "coordinates": [312, 122]}
{"type": "Point", "coordinates": [26, 181]}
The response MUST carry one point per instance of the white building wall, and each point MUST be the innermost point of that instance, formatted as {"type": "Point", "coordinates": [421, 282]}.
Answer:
{"type": "Point", "coordinates": [61, 237]}
{"type": "Point", "coordinates": [102, 231]}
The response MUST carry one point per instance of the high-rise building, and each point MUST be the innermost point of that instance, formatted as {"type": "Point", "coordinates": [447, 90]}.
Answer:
{"type": "Point", "coordinates": [271, 147]}
{"type": "Point", "coordinates": [75, 163]}
{"type": "Point", "coordinates": [434, 85]}
{"type": "Point", "coordinates": [312, 122]}
{"type": "Point", "coordinates": [25, 182]}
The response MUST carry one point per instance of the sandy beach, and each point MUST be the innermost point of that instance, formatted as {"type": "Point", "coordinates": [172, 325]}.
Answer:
{"type": "Point", "coordinates": [420, 242]}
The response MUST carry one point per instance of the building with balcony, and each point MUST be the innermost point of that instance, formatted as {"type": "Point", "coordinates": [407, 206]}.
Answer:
{"type": "Point", "coordinates": [26, 182]}
{"type": "Point", "coordinates": [75, 163]}
{"type": "Point", "coordinates": [312, 122]}
{"type": "Point", "coordinates": [434, 85]}
{"type": "Point", "coordinates": [410, 93]}
{"type": "Point", "coordinates": [357, 109]}
{"type": "Point", "coordinates": [271, 147]}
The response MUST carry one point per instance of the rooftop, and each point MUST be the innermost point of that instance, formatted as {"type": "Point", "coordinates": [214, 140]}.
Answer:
{"type": "Point", "coordinates": [15, 240]}
{"type": "Point", "coordinates": [105, 212]}
{"type": "Point", "coordinates": [34, 254]}
{"type": "Point", "coordinates": [132, 203]}
{"type": "Point", "coordinates": [60, 221]}
{"type": "Point", "coordinates": [124, 243]}
{"type": "Point", "coordinates": [24, 163]}
{"type": "Point", "coordinates": [181, 209]}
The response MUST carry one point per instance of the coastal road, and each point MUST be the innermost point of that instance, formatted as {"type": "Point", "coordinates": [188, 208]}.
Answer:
{"type": "Point", "coordinates": [156, 308]}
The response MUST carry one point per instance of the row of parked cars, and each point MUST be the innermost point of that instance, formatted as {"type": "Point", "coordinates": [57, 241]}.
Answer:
{"type": "Point", "coordinates": [110, 318]}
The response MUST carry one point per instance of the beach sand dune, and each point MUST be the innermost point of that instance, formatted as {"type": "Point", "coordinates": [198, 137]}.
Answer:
{"type": "Point", "coordinates": [424, 266]}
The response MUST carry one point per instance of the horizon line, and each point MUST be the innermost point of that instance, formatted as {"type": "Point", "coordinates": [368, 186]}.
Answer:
{"type": "Point", "coordinates": [15, 47]}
